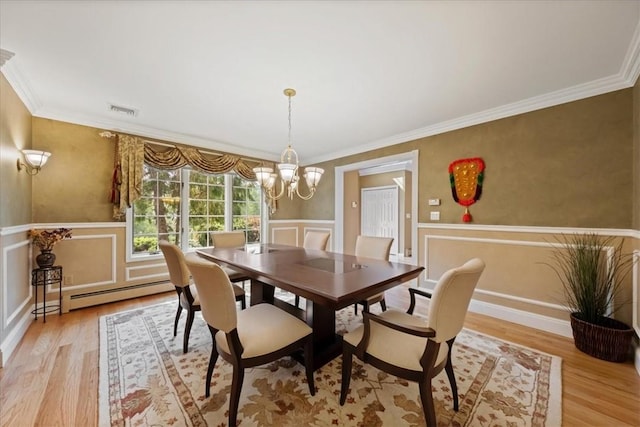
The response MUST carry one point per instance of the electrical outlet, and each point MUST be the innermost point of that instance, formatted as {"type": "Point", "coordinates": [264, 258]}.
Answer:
{"type": "Point", "coordinates": [434, 202]}
{"type": "Point", "coordinates": [434, 215]}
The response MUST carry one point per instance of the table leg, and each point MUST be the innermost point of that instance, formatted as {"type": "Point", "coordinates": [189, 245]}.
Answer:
{"type": "Point", "coordinates": [261, 292]}
{"type": "Point", "coordinates": [327, 345]}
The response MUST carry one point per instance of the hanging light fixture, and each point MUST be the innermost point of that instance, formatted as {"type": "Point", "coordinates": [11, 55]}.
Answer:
{"type": "Point", "coordinates": [288, 168]}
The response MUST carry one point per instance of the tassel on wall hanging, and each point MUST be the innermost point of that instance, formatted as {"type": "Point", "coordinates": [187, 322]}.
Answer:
{"type": "Point", "coordinates": [466, 176]}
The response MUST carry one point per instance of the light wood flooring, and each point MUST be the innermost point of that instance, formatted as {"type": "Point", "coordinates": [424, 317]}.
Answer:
{"type": "Point", "coordinates": [52, 377]}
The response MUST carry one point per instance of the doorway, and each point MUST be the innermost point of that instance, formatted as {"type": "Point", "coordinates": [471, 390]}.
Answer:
{"type": "Point", "coordinates": [411, 158]}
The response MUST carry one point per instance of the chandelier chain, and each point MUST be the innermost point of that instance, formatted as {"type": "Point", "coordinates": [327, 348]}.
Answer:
{"type": "Point", "coordinates": [289, 137]}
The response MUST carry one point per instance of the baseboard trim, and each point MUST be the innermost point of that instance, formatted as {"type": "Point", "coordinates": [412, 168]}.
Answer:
{"type": "Point", "coordinates": [525, 318]}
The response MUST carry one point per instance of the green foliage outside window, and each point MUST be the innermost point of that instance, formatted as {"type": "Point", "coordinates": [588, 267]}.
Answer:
{"type": "Point", "coordinates": [157, 215]}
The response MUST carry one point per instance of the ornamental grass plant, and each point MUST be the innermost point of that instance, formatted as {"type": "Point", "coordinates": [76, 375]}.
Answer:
{"type": "Point", "coordinates": [592, 269]}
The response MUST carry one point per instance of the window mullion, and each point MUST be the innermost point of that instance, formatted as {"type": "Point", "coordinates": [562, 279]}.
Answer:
{"type": "Point", "coordinates": [184, 209]}
{"type": "Point", "coordinates": [228, 202]}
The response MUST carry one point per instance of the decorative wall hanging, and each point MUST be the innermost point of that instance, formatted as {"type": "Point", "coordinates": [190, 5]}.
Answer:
{"type": "Point", "coordinates": [466, 176]}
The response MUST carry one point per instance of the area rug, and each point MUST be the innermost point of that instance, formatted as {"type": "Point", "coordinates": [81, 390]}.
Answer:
{"type": "Point", "coordinates": [146, 380]}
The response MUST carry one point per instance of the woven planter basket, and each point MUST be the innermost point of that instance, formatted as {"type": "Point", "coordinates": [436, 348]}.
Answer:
{"type": "Point", "coordinates": [609, 342]}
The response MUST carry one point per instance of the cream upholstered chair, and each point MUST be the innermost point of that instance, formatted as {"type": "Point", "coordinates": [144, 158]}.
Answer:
{"type": "Point", "coordinates": [188, 299]}
{"type": "Point", "coordinates": [378, 248]}
{"type": "Point", "coordinates": [260, 334]}
{"type": "Point", "coordinates": [411, 347]}
{"type": "Point", "coordinates": [314, 240]}
{"type": "Point", "coordinates": [230, 239]}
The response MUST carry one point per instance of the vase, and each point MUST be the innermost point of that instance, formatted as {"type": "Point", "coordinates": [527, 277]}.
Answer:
{"type": "Point", "coordinates": [45, 258]}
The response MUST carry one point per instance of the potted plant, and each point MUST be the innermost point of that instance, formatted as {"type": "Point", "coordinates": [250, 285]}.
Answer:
{"type": "Point", "coordinates": [592, 269]}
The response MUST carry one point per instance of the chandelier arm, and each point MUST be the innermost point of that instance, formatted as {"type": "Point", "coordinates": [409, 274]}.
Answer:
{"type": "Point", "coordinates": [269, 193]}
{"type": "Point", "coordinates": [312, 191]}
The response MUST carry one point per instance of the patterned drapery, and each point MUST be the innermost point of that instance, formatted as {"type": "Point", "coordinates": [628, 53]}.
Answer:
{"type": "Point", "coordinates": [127, 175]}
{"type": "Point", "coordinates": [133, 152]}
{"type": "Point", "coordinates": [177, 157]}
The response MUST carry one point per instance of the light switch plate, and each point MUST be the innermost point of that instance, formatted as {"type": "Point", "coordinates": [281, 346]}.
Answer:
{"type": "Point", "coordinates": [434, 215]}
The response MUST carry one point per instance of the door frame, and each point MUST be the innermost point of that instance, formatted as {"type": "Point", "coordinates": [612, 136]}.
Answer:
{"type": "Point", "coordinates": [339, 198]}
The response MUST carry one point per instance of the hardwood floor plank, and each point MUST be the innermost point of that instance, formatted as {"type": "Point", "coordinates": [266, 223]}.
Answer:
{"type": "Point", "coordinates": [52, 378]}
{"type": "Point", "coordinates": [86, 413]}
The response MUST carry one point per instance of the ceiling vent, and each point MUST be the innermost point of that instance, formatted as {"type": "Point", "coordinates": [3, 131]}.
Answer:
{"type": "Point", "coordinates": [123, 110]}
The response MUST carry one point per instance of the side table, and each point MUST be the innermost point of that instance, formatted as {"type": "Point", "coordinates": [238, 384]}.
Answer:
{"type": "Point", "coordinates": [44, 277]}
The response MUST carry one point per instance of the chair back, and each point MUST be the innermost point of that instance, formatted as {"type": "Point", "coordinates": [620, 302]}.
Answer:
{"type": "Point", "coordinates": [217, 299]}
{"type": "Point", "coordinates": [227, 239]}
{"type": "Point", "coordinates": [373, 247]}
{"type": "Point", "coordinates": [451, 297]}
{"type": "Point", "coordinates": [178, 270]}
{"type": "Point", "coordinates": [316, 240]}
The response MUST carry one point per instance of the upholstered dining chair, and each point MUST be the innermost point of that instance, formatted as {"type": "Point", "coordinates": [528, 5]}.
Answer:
{"type": "Point", "coordinates": [314, 240]}
{"type": "Point", "coordinates": [258, 335]}
{"type": "Point", "coordinates": [188, 298]}
{"type": "Point", "coordinates": [230, 239]}
{"type": "Point", "coordinates": [411, 347]}
{"type": "Point", "coordinates": [378, 248]}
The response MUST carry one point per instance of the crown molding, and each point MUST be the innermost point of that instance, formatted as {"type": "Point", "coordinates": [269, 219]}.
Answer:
{"type": "Point", "coordinates": [152, 133]}
{"type": "Point", "coordinates": [20, 85]}
{"type": "Point", "coordinates": [630, 70]}
{"type": "Point", "coordinates": [574, 93]}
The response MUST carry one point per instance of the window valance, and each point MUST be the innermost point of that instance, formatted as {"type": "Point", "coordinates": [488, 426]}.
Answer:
{"type": "Point", "coordinates": [132, 153]}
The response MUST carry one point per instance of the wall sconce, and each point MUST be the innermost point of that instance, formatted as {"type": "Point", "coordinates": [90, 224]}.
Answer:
{"type": "Point", "coordinates": [35, 160]}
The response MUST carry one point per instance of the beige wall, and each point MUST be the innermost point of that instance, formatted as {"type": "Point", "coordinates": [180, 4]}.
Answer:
{"type": "Point", "coordinates": [563, 166]}
{"type": "Point", "coordinates": [15, 135]}
{"type": "Point", "coordinates": [74, 186]}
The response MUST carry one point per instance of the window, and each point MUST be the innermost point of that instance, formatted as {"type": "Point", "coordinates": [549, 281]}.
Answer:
{"type": "Point", "coordinates": [184, 206]}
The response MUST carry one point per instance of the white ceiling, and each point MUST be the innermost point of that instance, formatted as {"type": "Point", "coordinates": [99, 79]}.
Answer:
{"type": "Point", "coordinates": [368, 73]}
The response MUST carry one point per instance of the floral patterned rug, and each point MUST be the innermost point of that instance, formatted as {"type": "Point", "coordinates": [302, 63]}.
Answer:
{"type": "Point", "coordinates": [146, 380]}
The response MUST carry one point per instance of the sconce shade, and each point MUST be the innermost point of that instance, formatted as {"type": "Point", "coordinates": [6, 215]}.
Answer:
{"type": "Point", "coordinates": [36, 158]}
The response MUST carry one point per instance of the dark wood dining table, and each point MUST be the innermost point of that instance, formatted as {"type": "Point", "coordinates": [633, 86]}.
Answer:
{"type": "Point", "coordinates": [328, 281]}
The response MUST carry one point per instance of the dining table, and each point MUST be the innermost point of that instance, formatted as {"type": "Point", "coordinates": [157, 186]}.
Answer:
{"type": "Point", "coordinates": [328, 281]}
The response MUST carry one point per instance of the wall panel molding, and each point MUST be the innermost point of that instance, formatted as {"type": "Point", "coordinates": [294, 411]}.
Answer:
{"type": "Point", "coordinates": [9, 317]}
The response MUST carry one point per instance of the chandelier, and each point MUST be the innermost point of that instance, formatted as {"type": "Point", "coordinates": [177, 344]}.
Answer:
{"type": "Point", "coordinates": [288, 168]}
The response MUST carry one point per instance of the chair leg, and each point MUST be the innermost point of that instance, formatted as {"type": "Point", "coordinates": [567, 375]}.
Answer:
{"type": "Point", "coordinates": [427, 402]}
{"type": "Point", "coordinates": [297, 301]}
{"type": "Point", "coordinates": [355, 308]}
{"type": "Point", "coordinates": [212, 363]}
{"type": "Point", "coordinates": [187, 330]}
{"type": "Point", "coordinates": [234, 399]}
{"type": "Point", "coordinates": [175, 323]}
{"type": "Point", "coordinates": [365, 306]}
{"type": "Point", "coordinates": [308, 364]}
{"type": "Point", "coordinates": [452, 377]}
{"type": "Point", "coordinates": [347, 358]}
{"type": "Point", "coordinates": [243, 302]}
{"type": "Point", "coordinates": [383, 304]}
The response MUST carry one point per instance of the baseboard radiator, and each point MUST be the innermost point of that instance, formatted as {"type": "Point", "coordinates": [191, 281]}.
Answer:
{"type": "Point", "coordinates": [105, 296]}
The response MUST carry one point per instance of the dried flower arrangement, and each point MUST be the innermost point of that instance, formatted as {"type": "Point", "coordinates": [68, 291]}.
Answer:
{"type": "Point", "coordinates": [46, 239]}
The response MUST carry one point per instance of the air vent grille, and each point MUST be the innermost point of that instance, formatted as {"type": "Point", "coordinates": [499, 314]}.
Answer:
{"type": "Point", "coordinates": [123, 110]}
